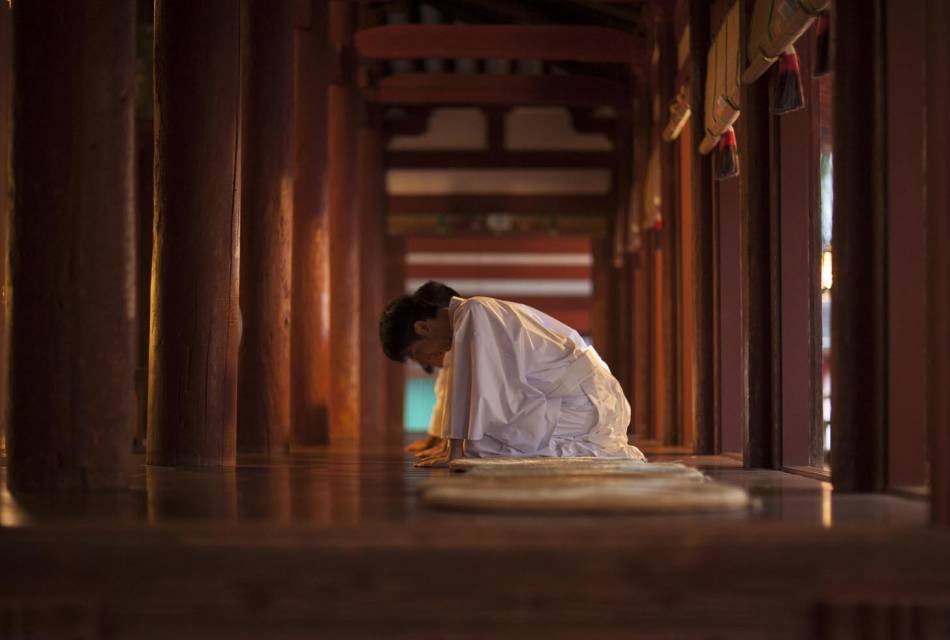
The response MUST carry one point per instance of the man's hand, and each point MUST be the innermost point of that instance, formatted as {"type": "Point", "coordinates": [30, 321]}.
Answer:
{"type": "Point", "coordinates": [441, 455]}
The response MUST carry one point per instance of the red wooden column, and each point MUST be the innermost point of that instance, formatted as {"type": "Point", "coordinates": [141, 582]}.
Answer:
{"type": "Point", "coordinates": [6, 131]}
{"type": "Point", "coordinates": [602, 269]}
{"type": "Point", "coordinates": [344, 227]}
{"type": "Point", "coordinates": [859, 304]}
{"type": "Point", "coordinates": [310, 308]}
{"type": "Point", "coordinates": [755, 265]}
{"type": "Point", "coordinates": [73, 400]}
{"type": "Point", "coordinates": [267, 47]}
{"type": "Point", "coordinates": [702, 398]}
{"type": "Point", "coordinates": [395, 283]}
{"type": "Point", "coordinates": [195, 321]}
{"type": "Point", "coordinates": [938, 250]}
{"type": "Point", "coordinates": [666, 74]}
{"type": "Point", "coordinates": [371, 199]}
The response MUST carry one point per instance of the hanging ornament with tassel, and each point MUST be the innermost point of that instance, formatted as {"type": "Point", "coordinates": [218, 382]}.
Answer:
{"type": "Point", "coordinates": [727, 156]}
{"type": "Point", "coordinates": [789, 92]}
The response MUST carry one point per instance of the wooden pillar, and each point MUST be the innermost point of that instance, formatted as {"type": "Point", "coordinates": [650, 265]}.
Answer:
{"type": "Point", "coordinates": [938, 257]}
{"type": "Point", "coordinates": [755, 203]}
{"type": "Point", "coordinates": [601, 247]}
{"type": "Point", "coordinates": [371, 199]}
{"type": "Point", "coordinates": [395, 283]}
{"type": "Point", "coordinates": [310, 308]}
{"type": "Point", "coordinates": [703, 316]}
{"type": "Point", "coordinates": [6, 132]}
{"type": "Point", "coordinates": [267, 46]}
{"type": "Point", "coordinates": [195, 319]}
{"type": "Point", "coordinates": [858, 318]}
{"type": "Point", "coordinates": [344, 226]}
{"type": "Point", "coordinates": [671, 223]}
{"type": "Point", "coordinates": [73, 401]}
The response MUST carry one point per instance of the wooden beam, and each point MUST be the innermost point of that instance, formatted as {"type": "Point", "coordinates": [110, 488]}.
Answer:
{"type": "Point", "coordinates": [452, 89]}
{"type": "Point", "coordinates": [859, 300]}
{"type": "Point", "coordinates": [938, 259]}
{"type": "Point", "coordinates": [502, 203]}
{"type": "Point", "coordinates": [755, 202]}
{"type": "Point", "coordinates": [676, 428]}
{"type": "Point", "coordinates": [500, 160]}
{"type": "Point", "coordinates": [310, 306]}
{"type": "Point", "coordinates": [517, 42]}
{"type": "Point", "coordinates": [704, 316]}
{"type": "Point", "coordinates": [72, 363]}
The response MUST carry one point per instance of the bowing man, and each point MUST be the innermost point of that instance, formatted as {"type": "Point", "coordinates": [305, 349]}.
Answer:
{"type": "Point", "coordinates": [518, 382]}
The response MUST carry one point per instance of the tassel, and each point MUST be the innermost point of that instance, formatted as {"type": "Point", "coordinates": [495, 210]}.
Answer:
{"type": "Point", "coordinates": [822, 45]}
{"type": "Point", "coordinates": [789, 93]}
{"type": "Point", "coordinates": [728, 156]}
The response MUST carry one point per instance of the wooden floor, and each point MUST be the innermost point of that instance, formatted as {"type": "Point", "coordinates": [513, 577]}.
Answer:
{"type": "Point", "coordinates": [334, 544]}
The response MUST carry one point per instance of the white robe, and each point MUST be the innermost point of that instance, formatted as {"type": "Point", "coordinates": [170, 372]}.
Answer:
{"type": "Point", "coordinates": [435, 421]}
{"type": "Point", "coordinates": [520, 383]}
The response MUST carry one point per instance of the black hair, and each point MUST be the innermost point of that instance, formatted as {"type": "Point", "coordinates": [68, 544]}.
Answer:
{"type": "Point", "coordinates": [437, 293]}
{"type": "Point", "coordinates": [397, 330]}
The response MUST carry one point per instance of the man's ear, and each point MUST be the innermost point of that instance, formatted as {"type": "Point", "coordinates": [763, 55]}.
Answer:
{"type": "Point", "coordinates": [421, 327]}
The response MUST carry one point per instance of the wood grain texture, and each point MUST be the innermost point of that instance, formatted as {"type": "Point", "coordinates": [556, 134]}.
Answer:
{"type": "Point", "coordinates": [938, 251]}
{"type": "Point", "coordinates": [195, 317]}
{"type": "Point", "coordinates": [859, 306]}
{"type": "Point", "coordinates": [267, 49]}
{"type": "Point", "coordinates": [344, 232]}
{"type": "Point", "coordinates": [73, 400]}
{"type": "Point", "coordinates": [453, 89]}
{"type": "Point", "coordinates": [755, 201]}
{"type": "Point", "coordinates": [703, 225]}
{"type": "Point", "coordinates": [675, 425]}
{"type": "Point", "coordinates": [310, 307]}
{"type": "Point", "coordinates": [578, 43]}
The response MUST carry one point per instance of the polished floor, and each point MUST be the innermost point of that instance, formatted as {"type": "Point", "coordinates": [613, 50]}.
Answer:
{"type": "Point", "coordinates": [334, 544]}
{"type": "Point", "coordinates": [330, 489]}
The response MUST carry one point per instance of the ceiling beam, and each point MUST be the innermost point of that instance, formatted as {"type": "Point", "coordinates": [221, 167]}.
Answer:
{"type": "Point", "coordinates": [454, 89]}
{"type": "Point", "coordinates": [502, 203]}
{"type": "Point", "coordinates": [521, 42]}
{"type": "Point", "coordinates": [500, 159]}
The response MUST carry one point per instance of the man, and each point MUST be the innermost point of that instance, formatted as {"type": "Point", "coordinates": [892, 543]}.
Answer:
{"type": "Point", "coordinates": [519, 383]}
{"type": "Point", "coordinates": [440, 295]}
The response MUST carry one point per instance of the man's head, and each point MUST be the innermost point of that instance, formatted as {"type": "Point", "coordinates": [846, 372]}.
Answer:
{"type": "Point", "coordinates": [411, 327]}
{"type": "Point", "coordinates": [437, 293]}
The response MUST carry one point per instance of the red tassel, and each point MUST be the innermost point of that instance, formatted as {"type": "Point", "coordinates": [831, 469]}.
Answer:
{"type": "Point", "coordinates": [727, 156]}
{"type": "Point", "coordinates": [789, 92]}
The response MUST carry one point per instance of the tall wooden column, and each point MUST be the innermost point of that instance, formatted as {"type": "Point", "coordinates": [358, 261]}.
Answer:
{"type": "Point", "coordinates": [755, 260]}
{"type": "Point", "coordinates": [602, 292]}
{"type": "Point", "coordinates": [938, 257]}
{"type": "Point", "coordinates": [344, 225]}
{"type": "Point", "coordinates": [310, 308]}
{"type": "Point", "coordinates": [701, 200]}
{"type": "Point", "coordinates": [395, 283]}
{"type": "Point", "coordinates": [674, 429]}
{"type": "Point", "coordinates": [6, 132]}
{"type": "Point", "coordinates": [73, 359]}
{"type": "Point", "coordinates": [267, 48]}
{"type": "Point", "coordinates": [859, 302]}
{"type": "Point", "coordinates": [371, 199]}
{"type": "Point", "coordinates": [195, 320]}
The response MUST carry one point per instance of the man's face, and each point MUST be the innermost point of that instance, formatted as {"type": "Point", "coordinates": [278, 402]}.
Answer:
{"type": "Point", "coordinates": [435, 340]}
{"type": "Point", "coordinates": [429, 351]}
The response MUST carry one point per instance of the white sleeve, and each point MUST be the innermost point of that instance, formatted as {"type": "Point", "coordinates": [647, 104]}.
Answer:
{"type": "Point", "coordinates": [435, 422]}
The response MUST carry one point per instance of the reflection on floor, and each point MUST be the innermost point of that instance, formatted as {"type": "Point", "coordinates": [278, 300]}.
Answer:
{"type": "Point", "coordinates": [333, 544]}
{"type": "Point", "coordinates": [323, 488]}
